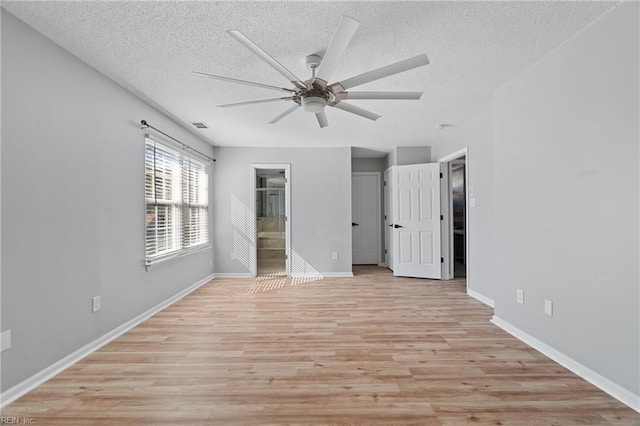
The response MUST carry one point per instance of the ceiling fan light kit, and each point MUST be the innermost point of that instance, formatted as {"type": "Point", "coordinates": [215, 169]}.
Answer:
{"type": "Point", "coordinates": [313, 104]}
{"type": "Point", "coordinates": [315, 94]}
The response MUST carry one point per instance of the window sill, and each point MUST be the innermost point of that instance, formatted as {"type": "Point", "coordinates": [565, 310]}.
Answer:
{"type": "Point", "coordinates": [168, 259]}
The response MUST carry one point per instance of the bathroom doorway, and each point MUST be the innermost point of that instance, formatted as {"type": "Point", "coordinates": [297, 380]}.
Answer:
{"type": "Point", "coordinates": [272, 219]}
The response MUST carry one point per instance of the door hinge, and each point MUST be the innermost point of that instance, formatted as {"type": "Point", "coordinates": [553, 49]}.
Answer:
{"type": "Point", "coordinates": [385, 183]}
{"type": "Point", "coordinates": [442, 260]}
{"type": "Point", "coordinates": [286, 218]}
{"type": "Point", "coordinates": [287, 180]}
{"type": "Point", "coordinates": [385, 251]}
{"type": "Point", "coordinates": [286, 256]}
{"type": "Point", "coordinates": [441, 175]}
{"type": "Point", "coordinates": [385, 217]}
{"type": "Point", "coordinates": [441, 217]}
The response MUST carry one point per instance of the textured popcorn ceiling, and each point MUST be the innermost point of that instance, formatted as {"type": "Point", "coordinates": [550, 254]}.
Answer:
{"type": "Point", "coordinates": [152, 47]}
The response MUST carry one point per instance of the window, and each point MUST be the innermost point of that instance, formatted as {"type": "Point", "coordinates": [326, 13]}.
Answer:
{"type": "Point", "coordinates": [177, 202]}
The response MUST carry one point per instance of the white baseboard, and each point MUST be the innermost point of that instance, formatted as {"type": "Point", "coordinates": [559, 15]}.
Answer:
{"type": "Point", "coordinates": [234, 275]}
{"type": "Point", "coordinates": [480, 297]}
{"type": "Point", "coordinates": [336, 274]}
{"type": "Point", "coordinates": [56, 368]}
{"type": "Point", "coordinates": [618, 392]}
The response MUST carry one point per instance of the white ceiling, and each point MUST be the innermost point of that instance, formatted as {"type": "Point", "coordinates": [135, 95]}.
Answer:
{"type": "Point", "coordinates": [152, 47]}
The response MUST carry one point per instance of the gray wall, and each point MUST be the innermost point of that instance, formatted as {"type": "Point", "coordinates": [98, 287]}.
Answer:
{"type": "Point", "coordinates": [73, 204]}
{"type": "Point", "coordinates": [477, 137]}
{"type": "Point", "coordinates": [320, 205]}
{"type": "Point", "coordinates": [566, 198]}
{"type": "Point", "coordinates": [407, 155]}
{"type": "Point", "coordinates": [369, 164]}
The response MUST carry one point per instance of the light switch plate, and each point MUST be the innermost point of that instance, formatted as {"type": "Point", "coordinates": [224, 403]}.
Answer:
{"type": "Point", "coordinates": [5, 340]}
{"type": "Point", "coordinates": [96, 304]}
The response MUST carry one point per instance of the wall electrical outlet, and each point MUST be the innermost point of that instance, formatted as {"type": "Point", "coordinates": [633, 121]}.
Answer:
{"type": "Point", "coordinates": [548, 307]}
{"type": "Point", "coordinates": [520, 296]}
{"type": "Point", "coordinates": [334, 256]}
{"type": "Point", "coordinates": [96, 304]}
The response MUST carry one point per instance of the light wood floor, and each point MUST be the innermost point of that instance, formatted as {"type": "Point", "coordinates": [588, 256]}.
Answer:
{"type": "Point", "coordinates": [364, 350]}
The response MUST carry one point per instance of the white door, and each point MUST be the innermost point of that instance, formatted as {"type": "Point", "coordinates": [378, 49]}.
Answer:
{"type": "Point", "coordinates": [388, 230]}
{"type": "Point", "coordinates": [416, 220]}
{"type": "Point", "coordinates": [365, 198]}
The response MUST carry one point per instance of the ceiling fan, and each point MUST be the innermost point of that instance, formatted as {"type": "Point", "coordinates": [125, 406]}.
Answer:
{"type": "Point", "coordinates": [315, 94]}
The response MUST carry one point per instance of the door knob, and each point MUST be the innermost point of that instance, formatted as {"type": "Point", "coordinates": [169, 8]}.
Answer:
{"type": "Point", "coordinates": [398, 226]}
{"type": "Point", "coordinates": [354, 224]}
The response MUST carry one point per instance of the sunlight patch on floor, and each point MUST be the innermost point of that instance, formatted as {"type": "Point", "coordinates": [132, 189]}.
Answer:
{"type": "Point", "coordinates": [301, 273]}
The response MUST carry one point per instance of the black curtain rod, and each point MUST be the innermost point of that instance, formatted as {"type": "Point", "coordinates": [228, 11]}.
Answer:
{"type": "Point", "coordinates": [144, 125]}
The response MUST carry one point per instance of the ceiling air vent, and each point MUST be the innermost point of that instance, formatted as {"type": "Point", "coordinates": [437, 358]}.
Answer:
{"type": "Point", "coordinates": [200, 125]}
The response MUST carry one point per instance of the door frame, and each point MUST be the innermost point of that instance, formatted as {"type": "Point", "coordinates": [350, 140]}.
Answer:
{"type": "Point", "coordinates": [287, 212]}
{"type": "Point", "coordinates": [446, 208]}
{"type": "Point", "coordinates": [378, 210]}
{"type": "Point", "coordinates": [387, 177]}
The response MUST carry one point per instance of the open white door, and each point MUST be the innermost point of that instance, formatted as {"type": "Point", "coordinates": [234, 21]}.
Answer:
{"type": "Point", "coordinates": [415, 203]}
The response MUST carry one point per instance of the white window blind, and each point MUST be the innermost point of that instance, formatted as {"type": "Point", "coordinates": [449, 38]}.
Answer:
{"type": "Point", "coordinates": [195, 205]}
{"type": "Point", "coordinates": [177, 202]}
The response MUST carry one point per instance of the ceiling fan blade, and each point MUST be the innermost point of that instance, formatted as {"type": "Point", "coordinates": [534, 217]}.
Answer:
{"type": "Point", "coordinates": [322, 118]}
{"type": "Point", "coordinates": [382, 95]}
{"type": "Point", "coordinates": [260, 101]}
{"type": "Point", "coordinates": [284, 114]}
{"type": "Point", "coordinates": [249, 44]}
{"type": "Point", "coordinates": [386, 71]}
{"type": "Point", "coordinates": [357, 111]}
{"type": "Point", "coordinates": [249, 83]}
{"type": "Point", "coordinates": [339, 42]}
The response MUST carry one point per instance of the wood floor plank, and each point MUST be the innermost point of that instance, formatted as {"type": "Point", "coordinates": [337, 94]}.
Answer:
{"type": "Point", "coordinates": [373, 349]}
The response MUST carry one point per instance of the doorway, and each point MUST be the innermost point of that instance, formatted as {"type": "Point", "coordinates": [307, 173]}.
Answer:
{"type": "Point", "coordinates": [458, 217]}
{"type": "Point", "coordinates": [365, 220]}
{"type": "Point", "coordinates": [272, 201]}
{"type": "Point", "coordinates": [455, 215]}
